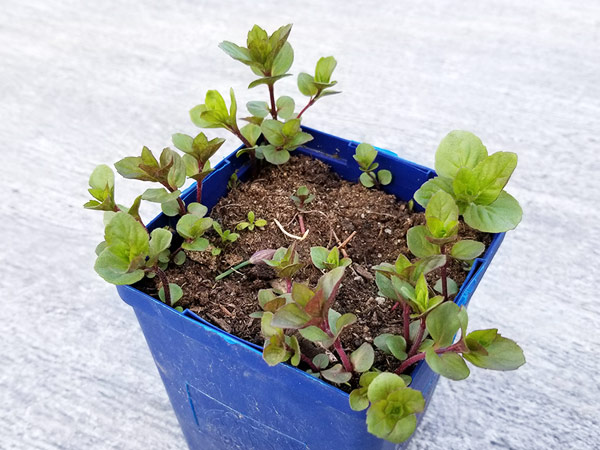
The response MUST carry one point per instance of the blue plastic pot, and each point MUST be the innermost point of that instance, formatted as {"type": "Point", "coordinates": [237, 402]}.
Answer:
{"type": "Point", "coordinates": [223, 393]}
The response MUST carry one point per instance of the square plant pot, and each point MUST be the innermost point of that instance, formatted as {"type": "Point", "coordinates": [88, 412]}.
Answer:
{"type": "Point", "coordinates": [224, 395]}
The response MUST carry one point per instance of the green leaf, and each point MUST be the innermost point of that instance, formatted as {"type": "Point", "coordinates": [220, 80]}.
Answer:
{"type": "Point", "coordinates": [315, 334]}
{"type": "Point", "coordinates": [197, 209]}
{"type": "Point", "coordinates": [171, 208]}
{"type": "Point", "coordinates": [126, 237]}
{"type": "Point", "coordinates": [383, 385]}
{"type": "Point", "coordinates": [306, 84]}
{"type": "Point", "coordinates": [236, 52]}
{"type": "Point", "coordinates": [301, 293]}
{"type": "Point", "coordinates": [358, 399]}
{"type": "Point", "coordinates": [365, 155]}
{"type": "Point", "coordinates": [114, 268]}
{"type": "Point", "coordinates": [430, 187]}
{"type": "Point", "coordinates": [458, 149]}
{"type": "Point", "coordinates": [425, 266]}
{"type": "Point", "coordinates": [502, 215]}
{"type": "Point", "coordinates": [324, 69]}
{"type": "Point", "coordinates": [290, 316]}
{"type": "Point", "coordinates": [274, 352]}
{"type": "Point", "coordinates": [175, 291]}
{"type": "Point", "coordinates": [321, 360]}
{"type": "Point", "coordinates": [393, 419]}
{"type": "Point", "coordinates": [467, 250]}
{"type": "Point", "coordinates": [492, 175]}
{"type": "Point", "coordinates": [330, 282]}
{"type": "Point", "coordinates": [197, 245]}
{"type": "Point", "coordinates": [160, 240]}
{"type": "Point", "coordinates": [443, 323]}
{"type": "Point", "coordinates": [366, 180]}
{"type": "Point", "coordinates": [500, 353]}
{"type": "Point", "coordinates": [183, 142]}
{"type": "Point", "coordinates": [268, 80]}
{"type": "Point", "coordinates": [160, 195]}
{"type": "Point", "coordinates": [384, 284]}
{"type": "Point", "coordinates": [392, 344]}
{"type": "Point", "coordinates": [442, 215]}
{"type": "Point", "coordinates": [384, 177]}
{"type": "Point", "coordinates": [285, 107]}
{"type": "Point", "coordinates": [362, 358]}
{"type": "Point", "coordinates": [416, 238]}
{"type": "Point", "coordinates": [344, 321]}
{"type": "Point", "coordinates": [273, 131]}
{"type": "Point", "coordinates": [179, 258]}
{"type": "Point", "coordinates": [251, 132]}
{"type": "Point", "coordinates": [449, 364]}
{"type": "Point", "coordinates": [336, 374]}
{"type": "Point", "coordinates": [318, 256]}
{"type": "Point", "coordinates": [296, 351]}
{"type": "Point", "coordinates": [102, 177]}
{"type": "Point", "coordinates": [283, 61]}
{"type": "Point", "coordinates": [275, 156]}
{"type": "Point", "coordinates": [258, 108]}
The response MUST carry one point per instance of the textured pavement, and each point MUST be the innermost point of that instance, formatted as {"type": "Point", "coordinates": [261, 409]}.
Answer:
{"type": "Point", "coordinates": [83, 83]}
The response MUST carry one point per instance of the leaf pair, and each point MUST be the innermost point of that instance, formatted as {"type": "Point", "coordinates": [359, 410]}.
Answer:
{"type": "Point", "coordinates": [213, 113]}
{"type": "Point", "coordinates": [302, 197]}
{"type": "Point", "coordinates": [476, 181]}
{"type": "Point", "coordinates": [317, 86]}
{"type": "Point", "coordinates": [251, 223]}
{"type": "Point", "coordinates": [268, 56]}
{"type": "Point", "coordinates": [127, 250]}
{"type": "Point", "coordinates": [102, 188]}
{"type": "Point", "coordinates": [393, 405]}
{"type": "Point", "coordinates": [285, 262]}
{"type": "Point", "coordinates": [197, 151]}
{"type": "Point", "coordinates": [282, 138]}
{"type": "Point", "coordinates": [192, 227]}
{"type": "Point", "coordinates": [328, 259]}
{"type": "Point", "coordinates": [365, 157]}
{"type": "Point", "coordinates": [441, 228]}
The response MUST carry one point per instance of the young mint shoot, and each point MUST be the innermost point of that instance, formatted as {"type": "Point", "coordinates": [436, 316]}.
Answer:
{"type": "Point", "coordinates": [365, 157]}
{"type": "Point", "coordinates": [302, 198]}
{"type": "Point", "coordinates": [476, 181]}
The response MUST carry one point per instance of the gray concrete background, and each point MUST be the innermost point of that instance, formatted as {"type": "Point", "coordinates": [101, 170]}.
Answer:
{"type": "Point", "coordinates": [83, 83]}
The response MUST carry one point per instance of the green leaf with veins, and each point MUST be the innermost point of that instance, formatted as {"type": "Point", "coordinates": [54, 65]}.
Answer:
{"type": "Point", "coordinates": [258, 108]}
{"type": "Point", "coordinates": [416, 239]}
{"type": "Point", "coordinates": [457, 150]}
{"type": "Point", "coordinates": [442, 215]}
{"type": "Point", "coordinates": [175, 291]}
{"type": "Point", "coordinates": [489, 350]}
{"type": "Point", "coordinates": [451, 285]}
{"type": "Point", "coordinates": [358, 397]}
{"type": "Point", "coordinates": [324, 69]}
{"type": "Point", "coordinates": [430, 187]}
{"type": "Point", "coordinates": [336, 374]}
{"type": "Point", "coordinates": [443, 323]}
{"type": "Point", "coordinates": [285, 107]}
{"type": "Point", "coordinates": [467, 249]}
{"type": "Point", "coordinates": [449, 365]}
{"type": "Point", "coordinates": [502, 215]}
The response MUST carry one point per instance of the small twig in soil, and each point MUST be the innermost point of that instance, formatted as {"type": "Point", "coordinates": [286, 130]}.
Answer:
{"type": "Point", "coordinates": [348, 239]}
{"type": "Point", "coordinates": [339, 243]}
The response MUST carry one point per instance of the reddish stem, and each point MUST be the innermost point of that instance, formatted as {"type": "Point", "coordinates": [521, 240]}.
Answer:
{"type": "Point", "coordinates": [406, 322]}
{"type": "Point", "coordinates": [395, 306]}
{"type": "Point", "coordinates": [301, 220]}
{"type": "Point", "coordinates": [419, 339]}
{"type": "Point", "coordinates": [308, 361]}
{"type": "Point", "coordinates": [165, 284]}
{"type": "Point", "coordinates": [443, 274]}
{"type": "Point", "coordinates": [458, 347]}
{"type": "Point", "coordinates": [199, 183]}
{"type": "Point", "coordinates": [374, 178]}
{"type": "Point", "coordinates": [288, 285]}
{"type": "Point", "coordinates": [273, 105]}
{"type": "Point", "coordinates": [308, 105]}
{"type": "Point", "coordinates": [182, 208]}
{"type": "Point", "coordinates": [338, 347]}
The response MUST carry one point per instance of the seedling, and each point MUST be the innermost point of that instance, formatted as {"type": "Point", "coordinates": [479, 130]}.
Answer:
{"type": "Point", "coordinates": [440, 231]}
{"type": "Point", "coordinates": [192, 227]}
{"type": "Point", "coordinates": [328, 259]}
{"type": "Point", "coordinates": [168, 170]}
{"type": "Point", "coordinates": [476, 182]}
{"type": "Point", "coordinates": [197, 151]}
{"type": "Point", "coordinates": [282, 139]}
{"type": "Point", "coordinates": [302, 198]}
{"type": "Point", "coordinates": [317, 86]}
{"type": "Point", "coordinates": [251, 223]}
{"type": "Point", "coordinates": [227, 236]}
{"type": "Point", "coordinates": [127, 254]}
{"type": "Point", "coordinates": [286, 263]}
{"type": "Point", "coordinates": [233, 182]}
{"type": "Point", "coordinates": [310, 312]}
{"type": "Point", "coordinates": [365, 157]}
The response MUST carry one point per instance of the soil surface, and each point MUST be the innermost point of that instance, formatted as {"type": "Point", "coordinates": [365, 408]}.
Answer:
{"type": "Point", "coordinates": [338, 209]}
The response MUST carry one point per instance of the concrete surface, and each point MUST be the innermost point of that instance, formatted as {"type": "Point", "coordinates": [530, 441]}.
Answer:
{"type": "Point", "coordinates": [83, 83]}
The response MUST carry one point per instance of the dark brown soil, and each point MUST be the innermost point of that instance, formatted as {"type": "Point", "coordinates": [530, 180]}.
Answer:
{"type": "Point", "coordinates": [339, 208]}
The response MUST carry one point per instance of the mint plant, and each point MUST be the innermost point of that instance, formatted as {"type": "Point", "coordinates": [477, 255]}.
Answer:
{"type": "Point", "coordinates": [251, 223]}
{"type": "Point", "coordinates": [302, 198]}
{"type": "Point", "coordinates": [197, 151]}
{"type": "Point", "coordinates": [328, 259]}
{"type": "Point", "coordinates": [440, 231]}
{"type": "Point", "coordinates": [365, 157]}
{"type": "Point", "coordinates": [476, 181]}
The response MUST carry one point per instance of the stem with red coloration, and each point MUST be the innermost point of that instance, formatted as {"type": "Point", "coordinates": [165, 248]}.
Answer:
{"type": "Point", "coordinates": [338, 347]}
{"type": "Point", "coordinates": [406, 322]}
{"type": "Point", "coordinates": [418, 339]}
{"type": "Point", "coordinates": [443, 274]}
{"type": "Point", "coordinates": [301, 221]}
{"type": "Point", "coordinates": [308, 105]}
{"type": "Point", "coordinates": [272, 97]}
{"type": "Point", "coordinates": [458, 347]}
{"type": "Point", "coordinates": [165, 283]}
